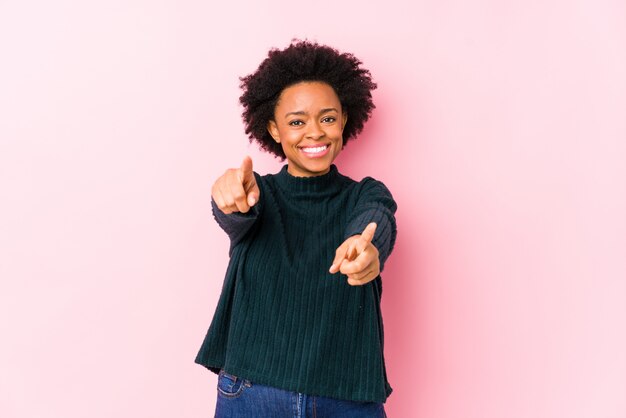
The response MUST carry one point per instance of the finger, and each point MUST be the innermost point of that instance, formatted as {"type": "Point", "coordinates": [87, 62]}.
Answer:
{"type": "Point", "coordinates": [220, 202]}
{"type": "Point", "coordinates": [352, 267]}
{"type": "Point", "coordinates": [360, 263]}
{"type": "Point", "coordinates": [246, 176]}
{"type": "Point", "coordinates": [246, 168]}
{"type": "Point", "coordinates": [370, 269]}
{"type": "Point", "coordinates": [237, 194]}
{"type": "Point", "coordinates": [226, 188]}
{"type": "Point", "coordinates": [352, 252]}
{"type": "Point", "coordinates": [217, 196]}
{"type": "Point", "coordinates": [369, 231]}
{"type": "Point", "coordinates": [253, 194]}
{"type": "Point", "coordinates": [366, 278]}
{"type": "Point", "coordinates": [363, 245]}
{"type": "Point", "coordinates": [340, 255]}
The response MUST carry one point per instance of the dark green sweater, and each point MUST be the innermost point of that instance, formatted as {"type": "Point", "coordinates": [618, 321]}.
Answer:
{"type": "Point", "coordinates": [282, 319]}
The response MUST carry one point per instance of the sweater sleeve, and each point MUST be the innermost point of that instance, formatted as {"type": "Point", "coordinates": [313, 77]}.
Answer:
{"type": "Point", "coordinates": [238, 224]}
{"type": "Point", "coordinates": [375, 204]}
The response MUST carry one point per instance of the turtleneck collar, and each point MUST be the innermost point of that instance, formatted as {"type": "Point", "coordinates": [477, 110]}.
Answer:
{"type": "Point", "coordinates": [328, 182]}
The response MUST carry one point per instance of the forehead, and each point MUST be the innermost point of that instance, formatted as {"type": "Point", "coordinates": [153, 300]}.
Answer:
{"type": "Point", "coordinates": [308, 94]}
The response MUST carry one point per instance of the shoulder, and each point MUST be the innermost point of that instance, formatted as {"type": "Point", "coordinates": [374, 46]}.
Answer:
{"type": "Point", "coordinates": [263, 180]}
{"type": "Point", "coordinates": [372, 192]}
{"type": "Point", "coordinates": [266, 178]}
{"type": "Point", "coordinates": [371, 182]}
{"type": "Point", "coordinates": [367, 187]}
{"type": "Point", "coordinates": [372, 185]}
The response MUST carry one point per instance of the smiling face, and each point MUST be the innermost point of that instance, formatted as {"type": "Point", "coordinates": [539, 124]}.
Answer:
{"type": "Point", "coordinates": [308, 123]}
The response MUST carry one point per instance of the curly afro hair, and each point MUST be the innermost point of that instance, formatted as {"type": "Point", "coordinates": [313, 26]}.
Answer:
{"type": "Point", "coordinates": [305, 61]}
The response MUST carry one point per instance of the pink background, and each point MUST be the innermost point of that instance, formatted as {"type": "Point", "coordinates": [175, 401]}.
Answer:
{"type": "Point", "coordinates": [500, 129]}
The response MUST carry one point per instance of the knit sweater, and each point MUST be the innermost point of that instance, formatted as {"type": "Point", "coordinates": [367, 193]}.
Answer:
{"type": "Point", "coordinates": [282, 319]}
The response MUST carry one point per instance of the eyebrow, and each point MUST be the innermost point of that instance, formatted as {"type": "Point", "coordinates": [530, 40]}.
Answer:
{"type": "Point", "coordinates": [302, 112]}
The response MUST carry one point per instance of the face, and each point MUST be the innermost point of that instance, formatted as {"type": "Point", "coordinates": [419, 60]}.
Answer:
{"type": "Point", "coordinates": [308, 123]}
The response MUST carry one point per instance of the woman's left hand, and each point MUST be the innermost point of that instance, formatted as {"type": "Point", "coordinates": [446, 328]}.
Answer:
{"type": "Point", "coordinates": [357, 258]}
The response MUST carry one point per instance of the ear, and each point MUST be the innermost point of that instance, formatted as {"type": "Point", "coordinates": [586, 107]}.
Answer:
{"type": "Point", "coordinates": [273, 130]}
{"type": "Point", "coordinates": [345, 119]}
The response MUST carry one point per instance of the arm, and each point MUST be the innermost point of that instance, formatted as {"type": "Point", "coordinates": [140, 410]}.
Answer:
{"type": "Point", "coordinates": [370, 235]}
{"type": "Point", "coordinates": [236, 200]}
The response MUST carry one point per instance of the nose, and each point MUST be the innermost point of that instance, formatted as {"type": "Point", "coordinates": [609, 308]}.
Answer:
{"type": "Point", "coordinates": [314, 131]}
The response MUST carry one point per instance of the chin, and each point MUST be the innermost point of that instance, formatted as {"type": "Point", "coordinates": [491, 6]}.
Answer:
{"type": "Point", "coordinates": [317, 168]}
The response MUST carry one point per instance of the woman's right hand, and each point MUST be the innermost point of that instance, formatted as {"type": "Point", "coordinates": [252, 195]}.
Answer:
{"type": "Point", "coordinates": [236, 190]}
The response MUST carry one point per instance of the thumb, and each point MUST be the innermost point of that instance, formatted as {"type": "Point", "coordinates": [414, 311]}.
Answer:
{"type": "Point", "coordinates": [253, 193]}
{"type": "Point", "coordinates": [340, 254]}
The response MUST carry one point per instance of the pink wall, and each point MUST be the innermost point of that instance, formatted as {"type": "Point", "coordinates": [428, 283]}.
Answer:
{"type": "Point", "coordinates": [499, 128]}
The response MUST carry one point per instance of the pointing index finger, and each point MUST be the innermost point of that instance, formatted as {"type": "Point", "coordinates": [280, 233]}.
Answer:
{"type": "Point", "coordinates": [369, 231]}
{"type": "Point", "coordinates": [246, 168]}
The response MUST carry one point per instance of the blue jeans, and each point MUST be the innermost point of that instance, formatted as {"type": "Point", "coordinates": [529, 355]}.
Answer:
{"type": "Point", "coordinates": [240, 398]}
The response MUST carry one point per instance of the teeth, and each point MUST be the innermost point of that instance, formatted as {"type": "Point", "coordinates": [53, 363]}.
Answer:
{"type": "Point", "coordinates": [316, 149]}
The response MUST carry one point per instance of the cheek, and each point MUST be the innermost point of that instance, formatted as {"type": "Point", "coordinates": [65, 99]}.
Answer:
{"type": "Point", "coordinates": [338, 132]}
{"type": "Point", "coordinates": [288, 145]}
{"type": "Point", "coordinates": [289, 138]}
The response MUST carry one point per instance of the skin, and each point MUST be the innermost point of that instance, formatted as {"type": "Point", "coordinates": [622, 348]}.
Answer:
{"type": "Point", "coordinates": [307, 114]}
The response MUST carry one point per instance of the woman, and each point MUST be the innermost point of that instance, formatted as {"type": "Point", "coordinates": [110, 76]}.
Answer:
{"type": "Point", "coordinates": [298, 328]}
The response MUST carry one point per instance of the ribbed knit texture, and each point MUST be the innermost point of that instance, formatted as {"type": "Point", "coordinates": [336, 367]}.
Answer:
{"type": "Point", "coordinates": [282, 319]}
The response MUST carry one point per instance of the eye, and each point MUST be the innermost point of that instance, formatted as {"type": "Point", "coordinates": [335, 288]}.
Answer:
{"type": "Point", "coordinates": [329, 119]}
{"type": "Point", "coordinates": [296, 122]}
